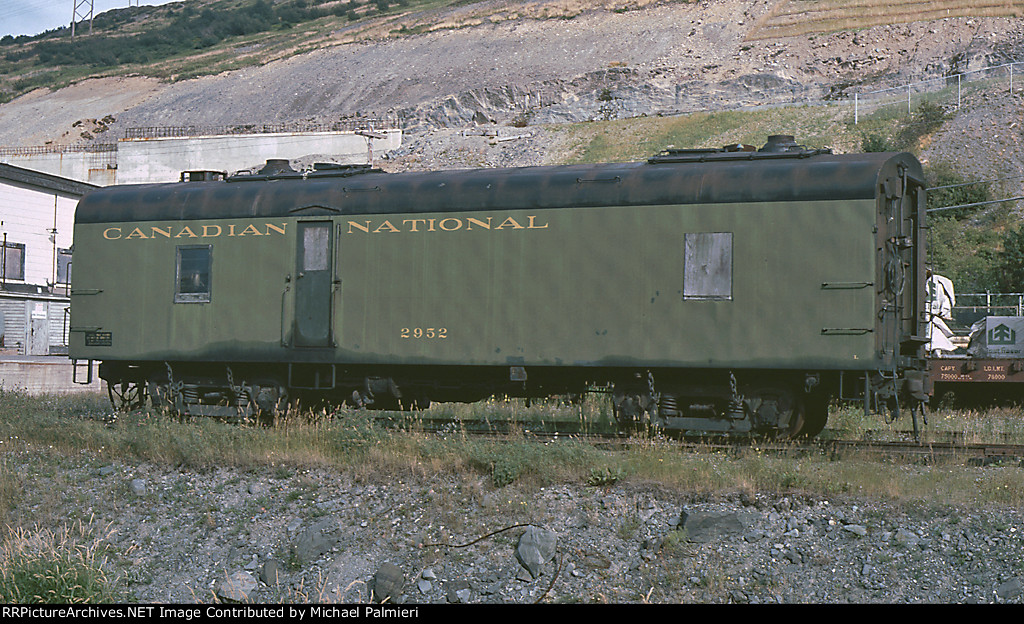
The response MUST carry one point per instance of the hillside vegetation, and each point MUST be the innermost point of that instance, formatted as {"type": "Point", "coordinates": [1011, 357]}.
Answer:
{"type": "Point", "coordinates": [178, 40]}
{"type": "Point", "coordinates": [200, 37]}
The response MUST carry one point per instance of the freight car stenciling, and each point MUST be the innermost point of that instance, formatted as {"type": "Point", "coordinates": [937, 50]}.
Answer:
{"type": "Point", "coordinates": [205, 231]}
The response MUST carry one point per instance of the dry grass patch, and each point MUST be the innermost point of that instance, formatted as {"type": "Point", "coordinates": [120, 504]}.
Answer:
{"type": "Point", "coordinates": [803, 17]}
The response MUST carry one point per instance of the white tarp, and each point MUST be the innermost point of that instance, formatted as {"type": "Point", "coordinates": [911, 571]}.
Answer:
{"type": "Point", "coordinates": [941, 300]}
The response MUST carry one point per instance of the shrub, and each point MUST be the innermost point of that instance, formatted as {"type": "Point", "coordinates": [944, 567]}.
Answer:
{"type": "Point", "coordinates": [876, 143]}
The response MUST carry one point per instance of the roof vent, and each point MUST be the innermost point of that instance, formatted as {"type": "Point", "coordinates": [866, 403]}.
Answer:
{"type": "Point", "coordinates": [781, 143]}
{"type": "Point", "coordinates": [203, 176]}
{"type": "Point", "coordinates": [276, 166]}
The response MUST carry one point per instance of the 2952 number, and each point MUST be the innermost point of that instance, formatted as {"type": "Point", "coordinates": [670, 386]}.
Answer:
{"type": "Point", "coordinates": [429, 333]}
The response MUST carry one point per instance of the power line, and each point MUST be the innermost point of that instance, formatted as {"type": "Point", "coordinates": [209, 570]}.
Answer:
{"type": "Point", "coordinates": [976, 204]}
{"type": "Point", "coordinates": [948, 186]}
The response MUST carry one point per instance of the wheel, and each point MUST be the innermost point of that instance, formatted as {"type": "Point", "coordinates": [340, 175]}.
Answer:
{"type": "Point", "coordinates": [797, 422]}
{"type": "Point", "coordinates": [634, 411]}
{"type": "Point", "coordinates": [777, 412]}
{"type": "Point", "coordinates": [268, 401]}
{"type": "Point", "coordinates": [815, 414]}
{"type": "Point", "coordinates": [126, 395]}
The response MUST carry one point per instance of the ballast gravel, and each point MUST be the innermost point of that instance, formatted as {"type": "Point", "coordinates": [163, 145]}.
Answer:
{"type": "Point", "coordinates": [173, 535]}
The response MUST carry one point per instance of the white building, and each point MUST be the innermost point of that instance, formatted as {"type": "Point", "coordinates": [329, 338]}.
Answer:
{"type": "Point", "coordinates": [37, 214]}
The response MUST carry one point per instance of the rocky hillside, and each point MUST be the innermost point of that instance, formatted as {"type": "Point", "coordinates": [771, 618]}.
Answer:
{"type": "Point", "coordinates": [543, 62]}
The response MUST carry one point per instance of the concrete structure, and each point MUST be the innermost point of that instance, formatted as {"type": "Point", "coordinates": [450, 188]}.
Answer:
{"type": "Point", "coordinates": [37, 213]}
{"type": "Point", "coordinates": [147, 160]}
{"type": "Point", "coordinates": [94, 164]}
{"type": "Point", "coordinates": [163, 160]}
{"type": "Point", "coordinates": [44, 375]}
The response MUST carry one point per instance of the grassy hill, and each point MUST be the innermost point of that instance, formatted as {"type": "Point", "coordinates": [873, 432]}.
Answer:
{"type": "Point", "coordinates": [181, 40]}
{"type": "Point", "coordinates": [201, 37]}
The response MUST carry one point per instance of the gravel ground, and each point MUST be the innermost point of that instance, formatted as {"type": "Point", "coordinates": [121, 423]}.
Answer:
{"type": "Point", "coordinates": [185, 536]}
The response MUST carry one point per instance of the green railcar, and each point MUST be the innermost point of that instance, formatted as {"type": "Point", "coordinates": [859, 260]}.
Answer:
{"type": "Point", "coordinates": [715, 290]}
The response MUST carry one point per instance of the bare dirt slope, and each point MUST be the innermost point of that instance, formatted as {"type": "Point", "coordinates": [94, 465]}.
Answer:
{"type": "Point", "coordinates": [493, 61]}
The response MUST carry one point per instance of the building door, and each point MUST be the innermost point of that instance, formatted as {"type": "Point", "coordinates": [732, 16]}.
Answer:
{"type": "Point", "coordinates": [313, 285]}
{"type": "Point", "coordinates": [39, 332]}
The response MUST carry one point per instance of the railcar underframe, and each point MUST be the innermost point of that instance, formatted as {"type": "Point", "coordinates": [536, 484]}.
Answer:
{"type": "Point", "coordinates": [744, 401]}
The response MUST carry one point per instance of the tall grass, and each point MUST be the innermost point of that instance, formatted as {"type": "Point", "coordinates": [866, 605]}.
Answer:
{"type": "Point", "coordinates": [65, 566]}
{"type": "Point", "coordinates": [356, 443]}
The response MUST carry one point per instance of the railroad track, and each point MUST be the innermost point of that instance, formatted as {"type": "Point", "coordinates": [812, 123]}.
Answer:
{"type": "Point", "coordinates": [981, 453]}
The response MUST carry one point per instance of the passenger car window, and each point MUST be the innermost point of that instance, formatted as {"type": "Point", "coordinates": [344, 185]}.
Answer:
{"type": "Point", "coordinates": [707, 266]}
{"type": "Point", "coordinates": [193, 274]}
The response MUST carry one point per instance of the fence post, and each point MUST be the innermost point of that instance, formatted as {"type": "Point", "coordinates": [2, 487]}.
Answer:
{"type": "Point", "coordinates": [856, 102]}
{"type": "Point", "coordinates": [908, 99]}
{"type": "Point", "coordinates": [958, 91]}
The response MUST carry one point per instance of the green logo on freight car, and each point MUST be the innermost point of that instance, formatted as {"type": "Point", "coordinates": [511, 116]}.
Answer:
{"type": "Point", "coordinates": [1002, 335]}
{"type": "Point", "coordinates": [449, 224]}
{"type": "Point", "coordinates": [194, 231]}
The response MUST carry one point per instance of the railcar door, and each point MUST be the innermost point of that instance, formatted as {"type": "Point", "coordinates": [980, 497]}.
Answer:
{"type": "Point", "coordinates": [314, 284]}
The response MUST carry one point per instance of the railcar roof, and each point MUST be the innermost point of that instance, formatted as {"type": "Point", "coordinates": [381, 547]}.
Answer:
{"type": "Point", "coordinates": [732, 179]}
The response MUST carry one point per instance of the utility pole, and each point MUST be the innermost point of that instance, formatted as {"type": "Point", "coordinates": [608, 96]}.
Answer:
{"type": "Point", "coordinates": [83, 11]}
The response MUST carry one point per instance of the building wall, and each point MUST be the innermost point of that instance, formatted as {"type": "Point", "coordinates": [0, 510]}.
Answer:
{"type": "Point", "coordinates": [41, 220]}
{"type": "Point", "coordinates": [27, 318]}
{"type": "Point", "coordinates": [34, 306]}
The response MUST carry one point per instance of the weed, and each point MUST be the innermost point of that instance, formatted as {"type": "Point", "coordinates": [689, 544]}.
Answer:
{"type": "Point", "coordinates": [504, 472]}
{"type": "Point", "coordinates": [628, 528]}
{"type": "Point", "coordinates": [605, 476]}
{"type": "Point", "coordinates": [677, 544]}
{"type": "Point", "coordinates": [55, 567]}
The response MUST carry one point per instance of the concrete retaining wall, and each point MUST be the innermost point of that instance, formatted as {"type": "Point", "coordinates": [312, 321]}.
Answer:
{"type": "Point", "coordinates": [44, 375]}
{"type": "Point", "coordinates": [145, 161]}
{"type": "Point", "coordinates": [142, 161]}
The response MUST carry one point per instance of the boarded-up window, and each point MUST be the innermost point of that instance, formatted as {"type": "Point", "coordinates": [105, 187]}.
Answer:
{"type": "Point", "coordinates": [707, 266]}
{"type": "Point", "coordinates": [13, 261]}
{"type": "Point", "coordinates": [63, 266]}
{"type": "Point", "coordinates": [193, 274]}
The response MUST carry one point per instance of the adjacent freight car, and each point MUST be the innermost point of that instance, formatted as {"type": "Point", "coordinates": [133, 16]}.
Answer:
{"type": "Point", "coordinates": [726, 290]}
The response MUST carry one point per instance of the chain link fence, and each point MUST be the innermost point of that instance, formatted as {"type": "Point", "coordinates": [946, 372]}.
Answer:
{"type": "Point", "coordinates": [953, 88]}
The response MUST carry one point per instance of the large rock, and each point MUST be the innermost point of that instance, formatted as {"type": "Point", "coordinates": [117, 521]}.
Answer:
{"type": "Point", "coordinates": [316, 540]}
{"type": "Point", "coordinates": [704, 526]}
{"type": "Point", "coordinates": [236, 588]}
{"type": "Point", "coordinates": [536, 547]}
{"type": "Point", "coordinates": [388, 583]}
